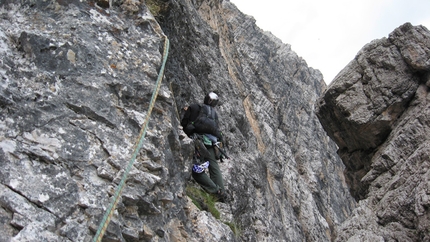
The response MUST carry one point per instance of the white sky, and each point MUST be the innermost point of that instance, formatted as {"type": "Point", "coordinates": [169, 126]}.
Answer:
{"type": "Point", "coordinates": [328, 34]}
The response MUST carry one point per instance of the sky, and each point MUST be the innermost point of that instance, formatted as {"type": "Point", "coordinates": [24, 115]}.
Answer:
{"type": "Point", "coordinates": [328, 34]}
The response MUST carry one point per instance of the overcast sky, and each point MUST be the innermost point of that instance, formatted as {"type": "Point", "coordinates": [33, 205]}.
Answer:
{"type": "Point", "coordinates": [328, 34]}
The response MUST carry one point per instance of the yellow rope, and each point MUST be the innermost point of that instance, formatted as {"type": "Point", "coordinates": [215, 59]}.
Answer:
{"type": "Point", "coordinates": [109, 212]}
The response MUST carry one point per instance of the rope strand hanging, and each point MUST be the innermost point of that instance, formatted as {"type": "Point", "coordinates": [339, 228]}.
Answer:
{"type": "Point", "coordinates": [138, 145]}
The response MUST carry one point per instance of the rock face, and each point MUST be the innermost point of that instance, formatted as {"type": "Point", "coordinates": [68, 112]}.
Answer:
{"type": "Point", "coordinates": [77, 78]}
{"type": "Point", "coordinates": [285, 180]}
{"type": "Point", "coordinates": [377, 111]}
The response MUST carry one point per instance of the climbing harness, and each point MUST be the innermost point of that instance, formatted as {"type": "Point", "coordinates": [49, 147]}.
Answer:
{"type": "Point", "coordinates": [109, 212]}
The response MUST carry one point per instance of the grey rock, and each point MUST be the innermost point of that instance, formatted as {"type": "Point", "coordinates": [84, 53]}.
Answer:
{"type": "Point", "coordinates": [25, 213]}
{"type": "Point", "coordinates": [76, 81]}
{"type": "Point", "coordinates": [376, 111]}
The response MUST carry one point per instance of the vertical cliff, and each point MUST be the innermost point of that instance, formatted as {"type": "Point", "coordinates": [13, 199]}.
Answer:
{"type": "Point", "coordinates": [377, 111]}
{"type": "Point", "coordinates": [77, 80]}
{"type": "Point", "coordinates": [286, 182]}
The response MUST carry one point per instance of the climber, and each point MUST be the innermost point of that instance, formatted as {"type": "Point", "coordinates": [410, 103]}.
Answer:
{"type": "Point", "coordinates": [200, 122]}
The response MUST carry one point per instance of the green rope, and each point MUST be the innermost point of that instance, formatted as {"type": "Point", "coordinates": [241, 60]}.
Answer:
{"type": "Point", "coordinates": [109, 212]}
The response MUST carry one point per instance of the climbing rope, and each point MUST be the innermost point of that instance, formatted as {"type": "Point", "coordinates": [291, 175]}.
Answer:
{"type": "Point", "coordinates": [109, 212]}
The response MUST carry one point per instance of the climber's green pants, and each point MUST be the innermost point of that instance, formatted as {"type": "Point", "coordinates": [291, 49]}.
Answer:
{"type": "Point", "coordinates": [214, 182]}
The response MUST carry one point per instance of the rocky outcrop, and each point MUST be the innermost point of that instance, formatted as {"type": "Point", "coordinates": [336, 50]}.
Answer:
{"type": "Point", "coordinates": [377, 111]}
{"type": "Point", "coordinates": [77, 79]}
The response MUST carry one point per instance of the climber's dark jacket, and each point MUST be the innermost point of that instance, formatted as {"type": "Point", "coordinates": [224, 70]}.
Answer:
{"type": "Point", "coordinates": [207, 120]}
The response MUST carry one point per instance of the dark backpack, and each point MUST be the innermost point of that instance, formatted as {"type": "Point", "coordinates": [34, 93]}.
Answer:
{"type": "Point", "coordinates": [205, 122]}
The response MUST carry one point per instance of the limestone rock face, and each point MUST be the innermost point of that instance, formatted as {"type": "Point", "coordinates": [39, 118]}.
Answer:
{"type": "Point", "coordinates": [377, 111]}
{"type": "Point", "coordinates": [285, 180]}
{"type": "Point", "coordinates": [77, 78]}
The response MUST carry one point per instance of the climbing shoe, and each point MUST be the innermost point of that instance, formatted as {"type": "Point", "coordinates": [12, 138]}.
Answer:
{"type": "Point", "coordinates": [222, 196]}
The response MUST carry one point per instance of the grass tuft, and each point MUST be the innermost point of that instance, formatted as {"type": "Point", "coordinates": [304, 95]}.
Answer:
{"type": "Point", "coordinates": [203, 200]}
{"type": "Point", "coordinates": [156, 7]}
{"type": "Point", "coordinates": [234, 227]}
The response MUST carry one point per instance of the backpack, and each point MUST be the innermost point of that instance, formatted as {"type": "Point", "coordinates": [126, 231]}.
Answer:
{"type": "Point", "coordinates": [205, 122]}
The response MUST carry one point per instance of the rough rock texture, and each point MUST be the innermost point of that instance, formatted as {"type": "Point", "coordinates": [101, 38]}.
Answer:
{"type": "Point", "coordinates": [377, 110]}
{"type": "Point", "coordinates": [286, 183]}
{"type": "Point", "coordinates": [76, 80]}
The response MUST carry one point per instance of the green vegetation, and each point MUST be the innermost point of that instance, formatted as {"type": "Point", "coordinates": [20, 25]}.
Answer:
{"type": "Point", "coordinates": [233, 226]}
{"type": "Point", "coordinates": [203, 200]}
{"type": "Point", "coordinates": [156, 7]}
